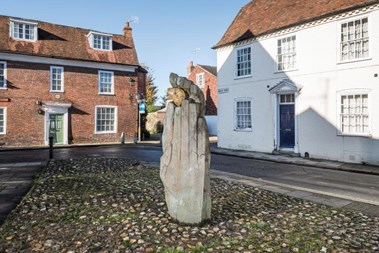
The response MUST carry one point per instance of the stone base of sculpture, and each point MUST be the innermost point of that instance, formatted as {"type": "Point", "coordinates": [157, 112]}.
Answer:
{"type": "Point", "coordinates": [185, 163]}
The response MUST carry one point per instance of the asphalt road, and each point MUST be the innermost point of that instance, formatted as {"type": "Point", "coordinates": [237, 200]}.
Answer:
{"type": "Point", "coordinates": [353, 185]}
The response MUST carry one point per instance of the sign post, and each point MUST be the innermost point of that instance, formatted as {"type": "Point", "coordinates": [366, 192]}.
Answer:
{"type": "Point", "coordinates": [141, 110]}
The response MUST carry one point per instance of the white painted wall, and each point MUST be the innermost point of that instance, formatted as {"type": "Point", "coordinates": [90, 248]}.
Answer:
{"type": "Point", "coordinates": [321, 77]}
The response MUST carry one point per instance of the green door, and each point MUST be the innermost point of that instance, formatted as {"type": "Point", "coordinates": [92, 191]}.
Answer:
{"type": "Point", "coordinates": [56, 128]}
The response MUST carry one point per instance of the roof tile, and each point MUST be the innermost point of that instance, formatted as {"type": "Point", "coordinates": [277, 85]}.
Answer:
{"type": "Point", "coordinates": [68, 43]}
{"type": "Point", "coordinates": [260, 17]}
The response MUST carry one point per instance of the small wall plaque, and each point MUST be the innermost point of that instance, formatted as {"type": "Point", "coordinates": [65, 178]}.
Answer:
{"type": "Point", "coordinates": [223, 90]}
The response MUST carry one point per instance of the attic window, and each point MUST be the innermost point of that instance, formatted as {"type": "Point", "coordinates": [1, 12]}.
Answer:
{"type": "Point", "coordinates": [100, 41]}
{"type": "Point", "coordinates": [22, 30]}
{"type": "Point", "coordinates": [200, 80]}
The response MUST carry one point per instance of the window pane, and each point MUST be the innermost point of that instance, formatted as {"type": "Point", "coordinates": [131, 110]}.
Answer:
{"type": "Point", "coordinates": [243, 114]}
{"type": "Point", "coordinates": [286, 58]}
{"type": "Point", "coordinates": [23, 31]}
{"type": "Point", "coordinates": [101, 42]}
{"type": "Point", "coordinates": [105, 119]}
{"type": "Point", "coordinates": [2, 120]}
{"type": "Point", "coordinates": [106, 43]}
{"type": "Point", "coordinates": [354, 40]}
{"type": "Point", "coordinates": [244, 61]}
{"type": "Point", "coordinates": [2, 75]}
{"type": "Point", "coordinates": [56, 79]}
{"type": "Point", "coordinates": [105, 82]}
{"type": "Point", "coordinates": [20, 31]}
{"type": "Point", "coordinates": [200, 79]}
{"type": "Point", "coordinates": [354, 113]}
{"type": "Point", "coordinates": [97, 41]}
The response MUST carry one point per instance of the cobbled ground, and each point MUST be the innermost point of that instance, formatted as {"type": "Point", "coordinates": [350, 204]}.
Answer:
{"type": "Point", "coordinates": [117, 205]}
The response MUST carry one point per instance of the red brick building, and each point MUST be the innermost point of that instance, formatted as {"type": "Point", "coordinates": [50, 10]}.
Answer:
{"type": "Point", "coordinates": [74, 84]}
{"type": "Point", "coordinates": [206, 78]}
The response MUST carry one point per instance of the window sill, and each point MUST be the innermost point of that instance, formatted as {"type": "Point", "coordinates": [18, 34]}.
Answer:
{"type": "Point", "coordinates": [285, 71]}
{"type": "Point", "coordinates": [355, 60]}
{"type": "Point", "coordinates": [107, 94]}
{"type": "Point", "coordinates": [18, 39]}
{"type": "Point", "coordinates": [57, 91]}
{"type": "Point", "coordinates": [242, 77]}
{"type": "Point", "coordinates": [354, 135]}
{"type": "Point", "coordinates": [3, 88]}
{"type": "Point", "coordinates": [243, 130]}
{"type": "Point", "coordinates": [99, 49]}
{"type": "Point", "coordinates": [105, 132]}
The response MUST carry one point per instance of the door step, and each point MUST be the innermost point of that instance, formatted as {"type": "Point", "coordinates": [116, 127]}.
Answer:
{"type": "Point", "coordinates": [286, 153]}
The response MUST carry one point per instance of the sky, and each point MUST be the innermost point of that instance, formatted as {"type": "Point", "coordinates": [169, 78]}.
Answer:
{"type": "Point", "coordinates": [167, 35]}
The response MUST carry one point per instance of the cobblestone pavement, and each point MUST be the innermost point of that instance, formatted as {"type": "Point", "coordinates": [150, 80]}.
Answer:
{"type": "Point", "coordinates": [117, 205]}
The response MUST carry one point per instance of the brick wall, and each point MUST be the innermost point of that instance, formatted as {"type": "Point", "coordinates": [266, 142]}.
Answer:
{"type": "Point", "coordinates": [28, 83]}
{"type": "Point", "coordinates": [209, 89]}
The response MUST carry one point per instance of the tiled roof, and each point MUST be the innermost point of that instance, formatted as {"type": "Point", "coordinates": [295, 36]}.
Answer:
{"type": "Point", "coordinates": [66, 42]}
{"type": "Point", "coordinates": [210, 69]}
{"type": "Point", "coordinates": [260, 17]}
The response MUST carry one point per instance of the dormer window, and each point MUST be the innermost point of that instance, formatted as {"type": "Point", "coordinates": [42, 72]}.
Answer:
{"type": "Point", "coordinates": [100, 41]}
{"type": "Point", "coordinates": [23, 30]}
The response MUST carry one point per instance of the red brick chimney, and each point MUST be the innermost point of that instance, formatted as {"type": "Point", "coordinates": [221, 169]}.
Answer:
{"type": "Point", "coordinates": [127, 30]}
{"type": "Point", "coordinates": [190, 68]}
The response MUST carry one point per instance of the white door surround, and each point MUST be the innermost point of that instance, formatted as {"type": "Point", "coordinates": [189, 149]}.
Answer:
{"type": "Point", "coordinates": [56, 108]}
{"type": "Point", "coordinates": [284, 87]}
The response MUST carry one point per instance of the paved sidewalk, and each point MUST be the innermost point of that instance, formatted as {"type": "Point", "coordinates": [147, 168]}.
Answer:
{"type": "Point", "coordinates": [370, 209]}
{"type": "Point", "coordinates": [350, 167]}
{"type": "Point", "coordinates": [334, 200]}
{"type": "Point", "coordinates": [15, 181]}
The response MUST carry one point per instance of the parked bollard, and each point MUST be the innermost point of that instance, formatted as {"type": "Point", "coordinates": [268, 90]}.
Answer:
{"type": "Point", "coordinates": [51, 143]}
{"type": "Point", "coordinates": [135, 140]}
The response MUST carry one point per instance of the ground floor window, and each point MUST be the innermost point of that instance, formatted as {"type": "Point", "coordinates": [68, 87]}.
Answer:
{"type": "Point", "coordinates": [2, 120]}
{"type": "Point", "coordinates": [354, 116]}
{"type": "Point", "coordinates": [243, 114]}
{"type": "Point", "coordinates": [106, 119]}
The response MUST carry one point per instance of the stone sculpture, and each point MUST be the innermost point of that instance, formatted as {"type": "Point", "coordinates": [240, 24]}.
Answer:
{"type": "Point", "coordinates": [185, 162]}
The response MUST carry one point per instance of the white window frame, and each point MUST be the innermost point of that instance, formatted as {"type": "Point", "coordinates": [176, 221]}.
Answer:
{"type": "Point", "coordinates": [51, 78]}
{"type": "Point", "coordinates": [346, 21]}
{"type": "Point", "coordinates": [4, 87]}
{"type": "Point", "coordinates": [91, 37]}
{"type": "Point", "coordinates": [115, 123]}
{"type": "Point", "coordinates": [5, 121]}
{"type": "Point", "coordinates": [353, 92]}
{"type": "Point", "coordinates": [112, 80]}
{"type": "Point", "coordinates": [286, 102]}
{"type": "Point", "coordinates": [23, 23]}
{"type": "Point", "coordinates": [246, 129]}
{"type": "Point", "coordinates": [243, 62]}
{"type": "Point", "coordinates": [293, 54]}
{"type": "Point", "coordinates": [200, 80]}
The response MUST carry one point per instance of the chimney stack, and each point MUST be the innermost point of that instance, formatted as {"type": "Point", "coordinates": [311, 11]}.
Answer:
{"type": "Point", "coordinates": [190, 68]}
{"type": "Point", "coordinates": [127, 30]}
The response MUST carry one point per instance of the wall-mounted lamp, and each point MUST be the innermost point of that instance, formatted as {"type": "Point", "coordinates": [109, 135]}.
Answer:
{"type": "Point", "coordinates": [38, 102]}
{"type": "Point", "coordinates": [40, 111]}
{"type": "Point", "coordinates": [132, 81]}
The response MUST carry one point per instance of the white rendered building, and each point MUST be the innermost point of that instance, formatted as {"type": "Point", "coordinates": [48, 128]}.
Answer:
{"type": "Point", "coordinates": [301, 77]}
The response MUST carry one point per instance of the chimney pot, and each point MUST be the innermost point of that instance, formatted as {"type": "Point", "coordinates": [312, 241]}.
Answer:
{"type": "Point", "coordinates": [127, 30]}
{"type": "Point", "coordinates": [190, 68]}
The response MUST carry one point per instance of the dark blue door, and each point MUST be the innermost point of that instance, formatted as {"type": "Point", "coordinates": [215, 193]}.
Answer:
{"type": "Point", "coordinates": [287, 126]}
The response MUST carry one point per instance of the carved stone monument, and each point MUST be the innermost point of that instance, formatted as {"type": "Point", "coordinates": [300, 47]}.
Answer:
{"type": "Point", "coordinates": [185, 162]}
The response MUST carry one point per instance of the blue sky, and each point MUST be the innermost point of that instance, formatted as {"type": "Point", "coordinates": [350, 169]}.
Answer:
{"type": "Point", "coordinates": [167, 33]}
